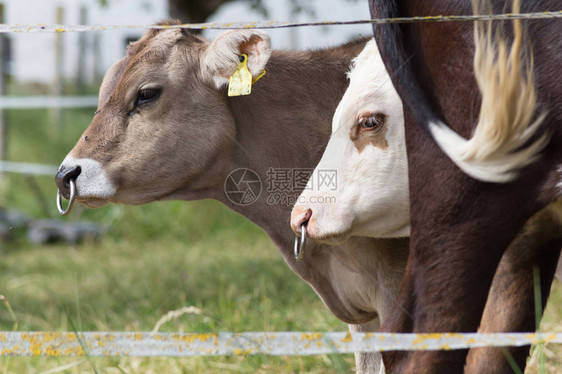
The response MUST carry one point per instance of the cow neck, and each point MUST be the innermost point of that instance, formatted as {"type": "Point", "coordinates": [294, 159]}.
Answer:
{"type": "Point", "coordinates": [285, 123]}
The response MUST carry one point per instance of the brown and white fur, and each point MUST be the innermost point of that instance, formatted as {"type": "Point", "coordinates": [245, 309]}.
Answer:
{"type": "Point", "coordinates": [166, 129]}
{"type": "Point", "coordinates": [460, 226]}
{"type": "Point", "coordinates": [368, 150]}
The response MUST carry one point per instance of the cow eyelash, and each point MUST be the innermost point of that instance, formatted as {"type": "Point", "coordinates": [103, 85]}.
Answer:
{"type": "Point", "coordinates": [372, 121]}
{"type": "Point", "coordinates": [147, 95]}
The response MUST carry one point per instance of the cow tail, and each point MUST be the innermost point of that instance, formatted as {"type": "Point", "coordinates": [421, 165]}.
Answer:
{"type": "Point", "coordinates": [506, 136]}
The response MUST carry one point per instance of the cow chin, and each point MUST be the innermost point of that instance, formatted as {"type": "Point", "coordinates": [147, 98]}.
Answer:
{"type": "Point", "coordinates": [93, 202]}
{"type": "Point", "coordinates": [330, 237]}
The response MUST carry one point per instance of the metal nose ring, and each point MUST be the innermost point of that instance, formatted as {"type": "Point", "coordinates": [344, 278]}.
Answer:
{"type": "Point", "coordinates": [72, 196]}
{"type": "Point", "coordinates": [299, 243]}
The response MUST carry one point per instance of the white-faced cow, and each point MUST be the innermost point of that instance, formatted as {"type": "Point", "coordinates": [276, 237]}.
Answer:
{"type": "Point", "coordinates": [371, 198]}
{"type": "Point", "coordinates": [460, 226]}
{"type": "Point", "coordinates": [166, 129]}
{"type": "Point", "coordinates": [368, 152]}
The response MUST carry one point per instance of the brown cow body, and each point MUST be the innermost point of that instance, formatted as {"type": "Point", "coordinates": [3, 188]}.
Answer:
{"type": "Point", "coordinates": [460, 226]}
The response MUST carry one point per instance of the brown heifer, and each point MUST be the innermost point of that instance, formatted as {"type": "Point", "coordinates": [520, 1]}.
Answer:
{"type": "Point", "coordinates": [461, 226]}
{"type": "Point", "coordinates": [166, 129]}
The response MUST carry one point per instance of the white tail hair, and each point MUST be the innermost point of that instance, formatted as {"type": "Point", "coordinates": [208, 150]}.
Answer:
{"type": "Point", "coordinates": [500, 144]}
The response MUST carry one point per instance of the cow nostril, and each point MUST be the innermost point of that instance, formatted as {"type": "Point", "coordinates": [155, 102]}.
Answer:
{"type": "Point", "coordinates": [64, 176]}
{"type": "Point", "coordinates": [303, 221]}
{"type": "Point", "coordinates": [71, 174]}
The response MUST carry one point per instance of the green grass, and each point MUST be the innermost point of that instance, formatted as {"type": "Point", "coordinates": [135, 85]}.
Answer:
{"type": "Point", "coordinates": [154, 259]}
{"type": "Point", "coordinates": [234, 275]}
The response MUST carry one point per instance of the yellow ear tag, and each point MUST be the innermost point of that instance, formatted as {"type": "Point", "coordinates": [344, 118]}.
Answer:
{"type": "Point", "coordinates": [241, 81]}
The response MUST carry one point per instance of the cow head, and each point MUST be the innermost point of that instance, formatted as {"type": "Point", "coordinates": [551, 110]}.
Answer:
{"type": "Point", "coordinates": [365, 162]}
{"type": "Point", "coordinates": [162, 119]}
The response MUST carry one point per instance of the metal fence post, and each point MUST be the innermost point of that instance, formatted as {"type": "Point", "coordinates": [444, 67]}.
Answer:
{"type": "Point", "coordinates": [59, 72]}
{"type": "Point", "coordinates": [82, 45]}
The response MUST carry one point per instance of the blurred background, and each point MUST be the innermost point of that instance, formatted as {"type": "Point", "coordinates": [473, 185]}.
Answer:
{"type": "Point", "coordinates": [124, 268]}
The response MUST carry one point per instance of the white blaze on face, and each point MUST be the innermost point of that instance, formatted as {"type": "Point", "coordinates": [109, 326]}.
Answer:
{"type": "Point", "coordinates": [370, 197]}
{"type": "Point", "coordinates": [92, 183]}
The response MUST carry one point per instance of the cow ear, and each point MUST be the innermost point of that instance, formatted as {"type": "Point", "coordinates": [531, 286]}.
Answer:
{"type": "Point", "coordinates": [222, 57]}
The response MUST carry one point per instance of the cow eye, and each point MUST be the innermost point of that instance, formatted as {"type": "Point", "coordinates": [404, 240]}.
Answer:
{"type": "Point", "coordinates": [146, 95]}
{"type": "Point", "coordinates": [373, 121]}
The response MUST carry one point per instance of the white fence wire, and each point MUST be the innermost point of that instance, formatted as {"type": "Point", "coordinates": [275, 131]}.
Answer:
{"type": "Point", "coordinates": [36, 102]}
{"type": "Point", "coordinates": [28, 168]}
{"type": "Point", "coordinates": [145, 344]}
{"type": "Point", "coordinates": [39, 102]}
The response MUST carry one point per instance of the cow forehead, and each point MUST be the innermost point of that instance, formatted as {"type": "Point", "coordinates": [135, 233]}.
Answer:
{"type": "Point", "coordinates": [152, 47]}
{"type": "Point", "coordinates": [370, 89]}
{"type": "Point", "coordinates": [368, 77]}
{"type": "Point", "coordinates": [156, 46]}
{"type": "Point", "coordinates": [160, 40]}
{"type": "Point", "coordinates": [366, 96]}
